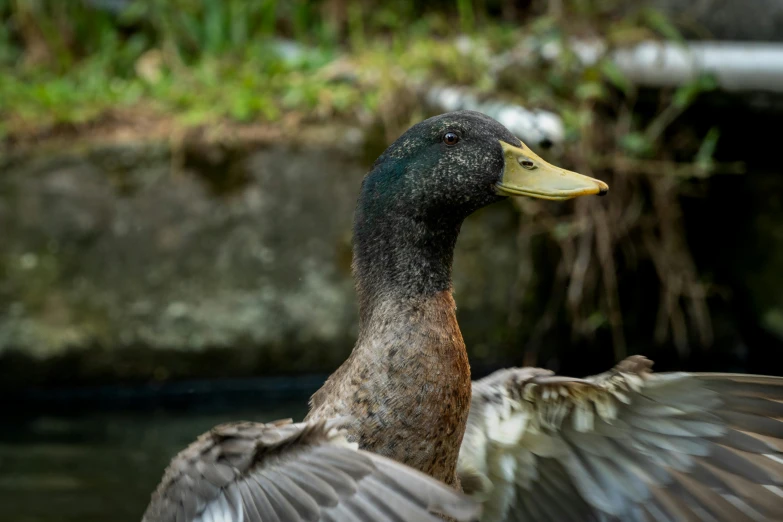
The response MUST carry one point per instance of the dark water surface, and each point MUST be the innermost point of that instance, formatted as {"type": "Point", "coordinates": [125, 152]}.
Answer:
{"type": "Point", "coordinates": [102, 463]}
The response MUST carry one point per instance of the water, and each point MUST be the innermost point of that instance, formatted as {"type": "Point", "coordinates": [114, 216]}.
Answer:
{"type": "Point", "coordinates": [102, 465]}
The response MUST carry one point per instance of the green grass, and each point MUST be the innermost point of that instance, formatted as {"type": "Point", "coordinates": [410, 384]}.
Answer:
{"type": "Point", "coordinates": [258, 86]}
{"type": "Point", "coordinates": [201, 61]}
{"type": "Point", "coordinates": [198, 61]}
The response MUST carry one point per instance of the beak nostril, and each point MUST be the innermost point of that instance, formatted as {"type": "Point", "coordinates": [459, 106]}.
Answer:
{"type": "Point", "coordinates": [527, 163]}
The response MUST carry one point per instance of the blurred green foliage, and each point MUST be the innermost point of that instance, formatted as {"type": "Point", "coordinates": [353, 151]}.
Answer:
{"type": "Point", "coordinates": [200, 62]}
{"type": "Point", "coordinates": [70, 62]}
{"type": "Point", "coordinates": [206, 60]}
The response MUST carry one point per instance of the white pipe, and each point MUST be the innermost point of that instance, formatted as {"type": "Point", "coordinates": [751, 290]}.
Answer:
{"type": "Point", "coordinates": [737, 66]}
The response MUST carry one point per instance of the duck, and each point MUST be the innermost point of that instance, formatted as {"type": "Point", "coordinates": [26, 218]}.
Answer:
{"type": "Point", "coordinates": [400, 432]}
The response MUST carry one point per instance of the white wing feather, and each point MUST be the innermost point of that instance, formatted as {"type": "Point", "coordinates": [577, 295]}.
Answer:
{"type": "Point", "coordinates": [625, 445]}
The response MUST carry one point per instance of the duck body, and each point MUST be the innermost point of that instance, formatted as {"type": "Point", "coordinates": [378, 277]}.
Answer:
{"type": "Point", "coordinates": [400, 433]}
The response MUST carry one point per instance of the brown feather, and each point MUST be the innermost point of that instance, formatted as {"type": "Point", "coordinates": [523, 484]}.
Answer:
{"type": "Point", "coordinates": [408, 385]}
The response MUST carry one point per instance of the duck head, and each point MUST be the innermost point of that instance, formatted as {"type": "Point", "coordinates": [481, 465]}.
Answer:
{"type": "Point", "coordinates": [461, 161]}
{"type": "Point", "coordinates": [426, 183]}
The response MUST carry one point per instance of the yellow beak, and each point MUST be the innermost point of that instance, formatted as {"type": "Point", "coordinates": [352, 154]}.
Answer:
{"type": "Point", "coordinates": [526, 174]}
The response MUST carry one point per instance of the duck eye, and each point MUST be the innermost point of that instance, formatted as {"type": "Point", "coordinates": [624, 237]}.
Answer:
{"type": "Point", "coordinates": [450, 138]}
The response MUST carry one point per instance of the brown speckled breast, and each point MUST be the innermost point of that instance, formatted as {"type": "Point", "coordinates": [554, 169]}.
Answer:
{"type": "Point", "coordinates": [408, 384]}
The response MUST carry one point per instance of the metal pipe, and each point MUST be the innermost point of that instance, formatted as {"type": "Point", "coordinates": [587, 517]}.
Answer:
{"type": "Point", "coordinates": [736, 66]}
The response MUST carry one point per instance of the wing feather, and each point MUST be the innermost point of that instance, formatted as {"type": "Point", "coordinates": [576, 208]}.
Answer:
{"type": "Point", "coordinates": [362, 508]}
{"type": "Point", "coordinates": [284, 472]}
{"type": "Point", "coordinates": [282, 508]}
{"type": "Point", "coordinates": [305, 505]}
{"type": "Point", "coordinates": [626, 445]}
{"type": "Point", "coordinates": [250, 501]}
{"type": "Point", "coordinates": [755, 423]}
{"type": "Point", "coordinates": [320, 490]}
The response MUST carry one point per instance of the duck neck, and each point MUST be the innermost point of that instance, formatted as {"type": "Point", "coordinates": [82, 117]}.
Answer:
{"type": "Point", "coordinates": [410, 365]}
{"type": "Point", "coordinates": [401, 260]}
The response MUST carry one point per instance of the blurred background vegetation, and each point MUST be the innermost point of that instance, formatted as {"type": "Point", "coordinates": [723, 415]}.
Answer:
{"type": "Point", "coordinates": [67, 64]}
{"type": "Point", "coordinates": [596, 281]}
{"type": "Point", "coordinates": [153, 229]}
{"type": "Point", "coordinates": [611, 278]}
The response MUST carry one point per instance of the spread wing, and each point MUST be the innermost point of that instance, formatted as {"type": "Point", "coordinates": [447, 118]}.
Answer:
{"type": "Point", "coordinates": [281, 472]}
{"type": "Point", "coordinates": [626, 445]}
